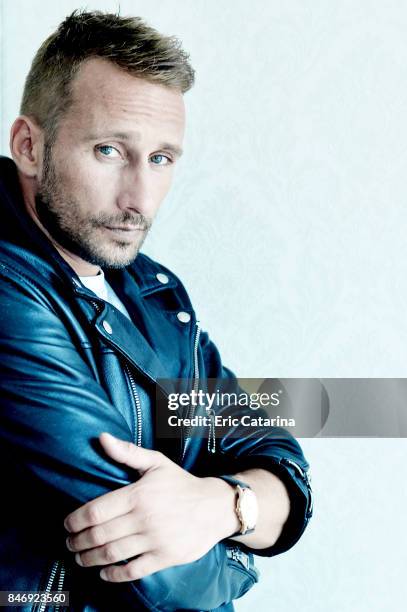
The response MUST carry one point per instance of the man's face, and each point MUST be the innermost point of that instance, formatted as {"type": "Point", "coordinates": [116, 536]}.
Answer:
{"type": "Point", "coordinates": [111, 164]}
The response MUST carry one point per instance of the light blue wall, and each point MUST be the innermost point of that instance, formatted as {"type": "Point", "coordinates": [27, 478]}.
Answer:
{"type": "Point", "coordinates": [287, 224]}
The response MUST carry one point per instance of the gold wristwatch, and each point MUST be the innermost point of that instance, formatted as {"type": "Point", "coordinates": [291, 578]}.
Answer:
{"type": "Point", "coordinates": [247, 509]}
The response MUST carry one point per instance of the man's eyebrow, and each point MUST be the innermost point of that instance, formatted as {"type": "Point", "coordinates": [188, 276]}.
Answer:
{"type": "Point", "coordinates": [123, 136]}
{"type": "Point", "coordinates": [100, 135]}
{"type": "Point", "coordinates": [172, 148]}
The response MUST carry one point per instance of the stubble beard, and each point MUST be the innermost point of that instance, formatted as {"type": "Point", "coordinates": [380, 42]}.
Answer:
{"type": "Point", "coordinates": [83, 236]}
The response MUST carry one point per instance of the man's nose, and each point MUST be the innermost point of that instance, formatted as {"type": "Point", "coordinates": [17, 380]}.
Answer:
{"type": "Point", "coordinates": [136, 193]}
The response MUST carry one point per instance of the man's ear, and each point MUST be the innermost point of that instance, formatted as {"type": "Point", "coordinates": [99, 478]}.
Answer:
{"type": "Point", "coordinates": [26, 146]}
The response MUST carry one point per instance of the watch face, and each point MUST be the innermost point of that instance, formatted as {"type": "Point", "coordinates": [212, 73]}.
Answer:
{"type": "Point", "coordinates": [249, 508]}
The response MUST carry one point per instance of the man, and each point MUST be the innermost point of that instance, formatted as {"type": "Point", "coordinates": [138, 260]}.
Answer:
{"type": "Point", "coordinates": [98, 504]}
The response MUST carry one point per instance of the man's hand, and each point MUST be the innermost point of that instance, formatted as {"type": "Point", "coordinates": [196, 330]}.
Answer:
{"type": "Point", "coordinates": [168, 517]}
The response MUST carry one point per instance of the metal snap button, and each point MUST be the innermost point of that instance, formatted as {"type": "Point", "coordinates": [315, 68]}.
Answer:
{"type": "Point", "coordinates": [163, 278]}
{"type": "Point", "coordinates": [107, 327]}
{"type": "Point", "coordinates": [184, 317]}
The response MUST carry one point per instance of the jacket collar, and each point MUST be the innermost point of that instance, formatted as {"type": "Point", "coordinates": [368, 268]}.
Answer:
{"type": "Point", "coordinates": [18, 229]}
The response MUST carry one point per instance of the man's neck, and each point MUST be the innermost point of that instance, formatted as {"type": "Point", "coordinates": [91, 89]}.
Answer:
{"type": "Point", "coordinates": [81, 267]}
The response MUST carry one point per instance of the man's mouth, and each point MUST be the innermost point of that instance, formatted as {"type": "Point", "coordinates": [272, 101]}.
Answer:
{"type": "Point", "coordinates": [125, 228]}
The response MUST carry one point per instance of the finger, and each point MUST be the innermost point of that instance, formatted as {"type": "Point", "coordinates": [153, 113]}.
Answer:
{"type": "Point", "coordinates": [99, 535]}
{"type": "Point", "coordinates": [102, 509]}
{"type": "Point", "coordinates": [146, 564]}
{"type": "Point", "coordinates": [113, 552]}
{"type": "Point", "coordinates": [141, 459]}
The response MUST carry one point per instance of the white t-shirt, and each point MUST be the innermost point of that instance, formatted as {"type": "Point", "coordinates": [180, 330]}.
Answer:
{"type": "Point", "coordinates": [99, 285]}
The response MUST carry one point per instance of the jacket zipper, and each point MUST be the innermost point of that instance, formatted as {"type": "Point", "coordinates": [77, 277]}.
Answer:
{"type": "Point", "coordinates": [237, 555]}
{"type": "Point", "coordinates": [306, 478]}
{"type": "Point", "coordinates": [191, 410]}
{"type": "Point", "coordinates": [57, 565]}
{"type": "Point", "coordinates": [211, 436]}
{"type": "Point", "coordinates": [244, 560]}
{"type": "Point", "coordinates": [138, 416]}
{"type": "Point", "coordinates": [60, 583]}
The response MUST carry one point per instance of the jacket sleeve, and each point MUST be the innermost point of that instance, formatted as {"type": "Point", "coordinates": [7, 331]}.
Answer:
{"type": "Point", "coordinates": [52, 408]}
{"type": "Point", "coordinates": [273, 448]}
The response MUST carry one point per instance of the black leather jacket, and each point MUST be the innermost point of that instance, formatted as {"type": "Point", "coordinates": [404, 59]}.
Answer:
{"type": "Point", "coordinates": [66, 376]}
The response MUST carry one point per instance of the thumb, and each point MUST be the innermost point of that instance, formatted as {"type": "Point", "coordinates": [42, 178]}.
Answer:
{"type": "Point", "coordinates": [141, 459]}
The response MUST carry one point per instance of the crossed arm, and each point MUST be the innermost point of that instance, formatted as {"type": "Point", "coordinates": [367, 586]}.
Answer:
{"type": "Point", "coordinates": [167, 517]}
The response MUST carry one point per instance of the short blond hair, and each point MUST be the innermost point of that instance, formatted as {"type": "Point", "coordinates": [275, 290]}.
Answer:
{"type": "Point", "coordinates": [128, 42]}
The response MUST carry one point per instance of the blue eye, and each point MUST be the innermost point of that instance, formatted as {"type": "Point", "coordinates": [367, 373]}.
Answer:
{"type": "Point", "coordinates": [106, 150]}
{"type": "Point", "coordinates": [160, 160]}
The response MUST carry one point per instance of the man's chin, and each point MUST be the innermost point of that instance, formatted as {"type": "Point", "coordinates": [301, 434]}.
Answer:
{"type": "Point", "coordinates": [114, 261]}
{"type": "Point", "coordinates": [117, 265]}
